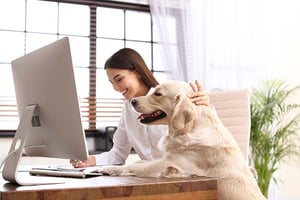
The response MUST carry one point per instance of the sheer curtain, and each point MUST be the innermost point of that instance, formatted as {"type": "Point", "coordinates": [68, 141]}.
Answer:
{"type": "Point", "coordinates": [220, 43]}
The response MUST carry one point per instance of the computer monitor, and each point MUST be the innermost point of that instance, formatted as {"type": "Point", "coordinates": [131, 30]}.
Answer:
{"type": "Point", "coordinates": [50, 120]}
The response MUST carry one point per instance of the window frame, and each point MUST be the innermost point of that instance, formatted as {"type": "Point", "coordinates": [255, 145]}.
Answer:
{"type": "Point", "coordinates": [93, 101]}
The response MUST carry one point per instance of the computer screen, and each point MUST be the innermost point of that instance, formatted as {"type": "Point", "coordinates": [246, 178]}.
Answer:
{"type": "Point", "coordinates": [48, 106]}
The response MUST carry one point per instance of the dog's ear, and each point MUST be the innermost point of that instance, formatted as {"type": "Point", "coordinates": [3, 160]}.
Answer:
{"type": "Point", "coordinates": [183, 115]}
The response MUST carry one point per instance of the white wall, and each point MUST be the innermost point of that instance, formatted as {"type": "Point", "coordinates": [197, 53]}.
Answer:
{"type": "Point", "coordinates": [284, 60]}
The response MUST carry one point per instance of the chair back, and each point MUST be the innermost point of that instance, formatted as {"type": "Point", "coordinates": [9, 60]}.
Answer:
{"type": "Point", "coordinates": [233, 108]}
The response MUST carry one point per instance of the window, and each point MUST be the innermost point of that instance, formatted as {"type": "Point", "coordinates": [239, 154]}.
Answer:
{"type": "Point", "coordinates": [26, 25]}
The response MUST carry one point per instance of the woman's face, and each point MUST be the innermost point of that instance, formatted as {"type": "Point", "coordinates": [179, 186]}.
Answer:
{"type": "Point", "coordinates": [127, 82]}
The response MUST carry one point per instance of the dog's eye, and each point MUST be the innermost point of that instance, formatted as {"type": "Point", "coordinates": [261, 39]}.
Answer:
{"type": "Point", "coordinates": [157, 94]}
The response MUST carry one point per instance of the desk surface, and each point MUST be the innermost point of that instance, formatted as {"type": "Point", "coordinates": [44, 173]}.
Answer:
{"type": "Point", "coordinates": [113, 188]}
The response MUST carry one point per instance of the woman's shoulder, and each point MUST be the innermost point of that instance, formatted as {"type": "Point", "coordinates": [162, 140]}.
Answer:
{"type": "Point", "coordinates": [128, 110]}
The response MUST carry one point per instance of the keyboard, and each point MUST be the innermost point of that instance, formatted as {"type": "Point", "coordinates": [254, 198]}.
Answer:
{"type": "Point", "coordinates": [66, 171]}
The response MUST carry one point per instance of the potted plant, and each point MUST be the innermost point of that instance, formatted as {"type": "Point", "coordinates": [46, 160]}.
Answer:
{"type": "Point", "coordinates": [275, 127]}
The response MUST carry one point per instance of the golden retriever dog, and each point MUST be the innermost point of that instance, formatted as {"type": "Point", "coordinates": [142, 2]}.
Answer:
{"type": "Point", "coordinates": [197, 144]}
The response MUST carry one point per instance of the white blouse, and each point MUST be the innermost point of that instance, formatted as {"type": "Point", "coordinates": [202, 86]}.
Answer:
{"type": "Point", "coordinates": [144, 139]}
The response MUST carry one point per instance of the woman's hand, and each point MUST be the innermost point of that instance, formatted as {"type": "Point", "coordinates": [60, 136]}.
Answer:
{"type": "Point", "coordinates": [199, 96]}
{"type": "Point", "coordinates": [91, 161]}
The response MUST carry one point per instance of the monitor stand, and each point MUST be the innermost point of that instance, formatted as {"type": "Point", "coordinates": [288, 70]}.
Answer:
{"type": "Point", "coordinates": [12, 161]}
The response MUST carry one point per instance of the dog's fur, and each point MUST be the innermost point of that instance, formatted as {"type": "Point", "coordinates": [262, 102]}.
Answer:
{"type": "Point", "coordinates": [198, 144]}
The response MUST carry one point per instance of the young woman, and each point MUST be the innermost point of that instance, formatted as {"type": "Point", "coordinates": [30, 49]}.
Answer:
{"type": "Point", "coordinates": [129, 75]}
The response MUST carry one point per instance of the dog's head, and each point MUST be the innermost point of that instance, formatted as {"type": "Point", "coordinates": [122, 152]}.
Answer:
{"type": "Point", "coordinates": [170, 104]}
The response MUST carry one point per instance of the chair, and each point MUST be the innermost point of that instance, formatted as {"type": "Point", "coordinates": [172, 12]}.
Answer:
{"type": "Point", "coordinates": [233, 108]}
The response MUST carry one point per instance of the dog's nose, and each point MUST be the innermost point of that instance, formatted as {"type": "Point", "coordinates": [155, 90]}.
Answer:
{"type": "Point", "coordinates": [133, 102]}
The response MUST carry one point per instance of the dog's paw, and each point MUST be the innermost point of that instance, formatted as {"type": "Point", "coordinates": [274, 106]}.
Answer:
{"type": "Point", "coordinates": [174, 172]}
{"type": "Point", "coordinates": [112, 170]}
{"type": "Point", "coordinates": [115, 171]}
{"type": "Point", "coordinates": [171, 172]}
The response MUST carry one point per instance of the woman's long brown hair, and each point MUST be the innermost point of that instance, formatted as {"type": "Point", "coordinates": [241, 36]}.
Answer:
{"type": "Point", "coordinates": [130, 59]}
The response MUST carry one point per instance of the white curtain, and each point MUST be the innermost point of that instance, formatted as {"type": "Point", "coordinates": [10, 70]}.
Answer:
{"type": "Point", "coordinates": [219, 42]}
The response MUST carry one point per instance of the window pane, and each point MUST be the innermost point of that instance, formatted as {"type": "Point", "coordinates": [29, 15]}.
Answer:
{"type": "Point", "coordinates": [108, 114]}
{"type": "Point", "coordinates": [74, 19]}
{"type": "Point", "coordinates": [82, 81]}
{"type": "Point", "coordinates": [110, 23]}
{"type": "Point", "coordinates": [11, 122]}
{"type": "Point", "coordinates": [160, 77]}
{"type": "Point", "coordinates": [138, 26]}
{"type": "Point", "coordinates": [80, 50]}
{"type": "Point", "coordinates": [12, 15]}
{"type": "Point", "coordinates": [42, 16]}
{"type": "Point", "coordinates": [35, 41]}
{"type": "Point", "coordinates": [155, 33]}
{"type": "Point", "coordinates": [105, 48]}
{"type": "Point", "coordinates": [11, 46]}
{"type": "Point", "coordinates": [144, 49]}
{"type": "Point", "coordinates": [157, 58]}
{"type": "Point", "coordinates": [8, 113]}
{"type": "Point", "coordinates": [170, 22]}
{"type": "Point", "coordinates": [6, 80]}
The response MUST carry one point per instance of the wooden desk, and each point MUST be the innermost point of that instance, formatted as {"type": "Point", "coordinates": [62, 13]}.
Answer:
{"type": "Point", "coordinates": [115, 188]}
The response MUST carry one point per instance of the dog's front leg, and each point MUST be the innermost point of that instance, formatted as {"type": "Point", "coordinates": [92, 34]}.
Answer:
{"type": "Point", "coordinates": [140, 169]}
{"type": "Point", "coordinates": [115, 171]}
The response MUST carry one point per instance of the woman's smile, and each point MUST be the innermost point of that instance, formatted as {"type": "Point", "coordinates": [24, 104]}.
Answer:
{"type": "Point", "coordinates": [124, 92]}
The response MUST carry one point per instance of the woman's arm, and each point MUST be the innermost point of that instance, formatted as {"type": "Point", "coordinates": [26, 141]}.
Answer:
{"type": "Point", "coordinates": [116, 156]}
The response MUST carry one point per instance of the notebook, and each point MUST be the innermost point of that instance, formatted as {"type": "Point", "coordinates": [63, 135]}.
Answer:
{"type": "Point", "coordinates": [66, 171]}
